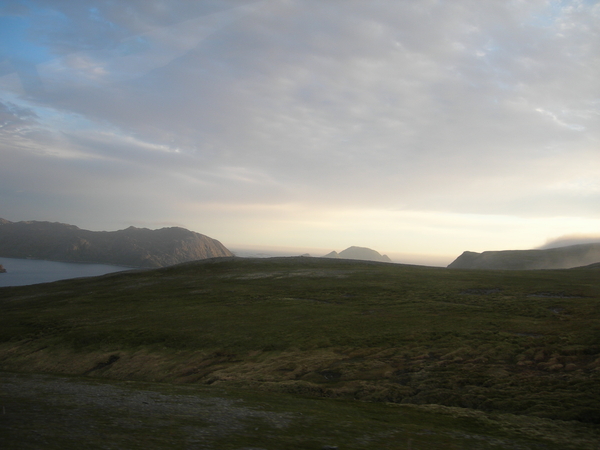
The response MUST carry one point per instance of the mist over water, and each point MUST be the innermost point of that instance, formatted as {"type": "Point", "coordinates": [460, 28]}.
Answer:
{"type": "Point", "coordinates": [22, 272]}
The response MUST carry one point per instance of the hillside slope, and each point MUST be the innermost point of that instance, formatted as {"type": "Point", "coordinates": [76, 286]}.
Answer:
{"type": "Point", "coordinates": [552, 258]}
{"type": "Point", "coordinates": [136, 247]}
{"type": "Point", "coordinates": [520, 342]}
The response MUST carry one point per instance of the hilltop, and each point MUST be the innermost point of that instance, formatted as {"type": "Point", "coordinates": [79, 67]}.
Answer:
{"type": "Point", "coordinates": [359, 253]}
{"type": "Point", "coordinates": [552, 258]}
{"type": "Point", "coordinates": [135, 247]}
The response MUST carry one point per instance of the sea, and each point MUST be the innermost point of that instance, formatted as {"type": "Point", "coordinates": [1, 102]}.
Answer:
{"type": "Point", "coordinates": [22, 272]}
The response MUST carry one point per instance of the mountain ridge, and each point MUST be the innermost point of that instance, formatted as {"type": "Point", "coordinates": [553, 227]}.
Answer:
{"type": "Point", "coordinates": [552, 258]}
{"type": "Point", "coordinates": [135, 247]}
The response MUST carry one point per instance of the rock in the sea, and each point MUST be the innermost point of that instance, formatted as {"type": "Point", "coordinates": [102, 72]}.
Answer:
{"type": "Point", "coordinates": [360, 253]}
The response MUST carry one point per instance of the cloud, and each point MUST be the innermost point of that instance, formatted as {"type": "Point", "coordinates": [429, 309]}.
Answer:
{"type": "Point", "coordinates": [459, 107]}
{"type": "Point", "coordinates": [558, 121]}
{"type": "Point", "coordinates": [574, 239]}
{"type": "Point", "coordinates": [14, 118]}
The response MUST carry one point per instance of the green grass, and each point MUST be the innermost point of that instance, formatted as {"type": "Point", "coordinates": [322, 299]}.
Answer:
{"type": "Point", "coordinates": [518, 342]}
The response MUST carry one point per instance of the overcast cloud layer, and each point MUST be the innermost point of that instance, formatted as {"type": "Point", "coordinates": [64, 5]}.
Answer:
{"type": "Point", "coordinates": [422, 127]}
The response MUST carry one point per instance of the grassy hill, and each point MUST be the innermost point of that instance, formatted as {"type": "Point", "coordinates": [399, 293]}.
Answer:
{"type": "Point", "coordinates": [498, 342]}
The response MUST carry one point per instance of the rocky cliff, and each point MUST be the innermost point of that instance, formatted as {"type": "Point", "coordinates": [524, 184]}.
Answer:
{"type": "Point", "coordinates": [136, 247]}
{"type": "Point", "coordinates": [552, 258]}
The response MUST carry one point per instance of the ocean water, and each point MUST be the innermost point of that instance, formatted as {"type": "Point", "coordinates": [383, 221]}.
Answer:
{"type": "Point", "coordinates": [21, 272]}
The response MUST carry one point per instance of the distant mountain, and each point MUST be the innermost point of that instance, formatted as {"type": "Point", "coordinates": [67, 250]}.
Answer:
{"type": "Point", "coordinates": [136, 247]}
{"type": "Point", "coordinates": [552, 258]}
{"type": "Point", "coordinates": [360, 253]}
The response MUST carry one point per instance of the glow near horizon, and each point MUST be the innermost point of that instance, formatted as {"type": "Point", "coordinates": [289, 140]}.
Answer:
{"type": "Point", "coordinates": [373, 229]}
{"type": "Point", "coordinates": [427, 128]}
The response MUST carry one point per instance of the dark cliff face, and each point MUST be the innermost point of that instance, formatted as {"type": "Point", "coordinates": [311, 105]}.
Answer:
{"type": "Point", "coordinates": [137, 247]}
{"type": "Point", "coordinates": [553, 258]}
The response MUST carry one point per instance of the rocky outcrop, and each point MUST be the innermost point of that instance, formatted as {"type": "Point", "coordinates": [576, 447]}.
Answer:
{"type": "Point", "coordinates": [552, 258]}
{"type": "Point", "coordinates": [359, 253]}
{"type": "Point", "coordinates": [135, 247]}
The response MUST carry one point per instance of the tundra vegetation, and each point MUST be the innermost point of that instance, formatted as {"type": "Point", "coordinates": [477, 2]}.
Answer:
{"type": "Point", "coordinates": [345, 353]}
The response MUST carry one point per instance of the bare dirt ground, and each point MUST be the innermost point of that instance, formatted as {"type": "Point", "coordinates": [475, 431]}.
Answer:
{"type": "Point", "coordinates": [40, 411]}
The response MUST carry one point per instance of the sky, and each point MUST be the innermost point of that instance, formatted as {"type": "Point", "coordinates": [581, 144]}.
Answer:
{"type": "Point", "coordinates": [420, 129]}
